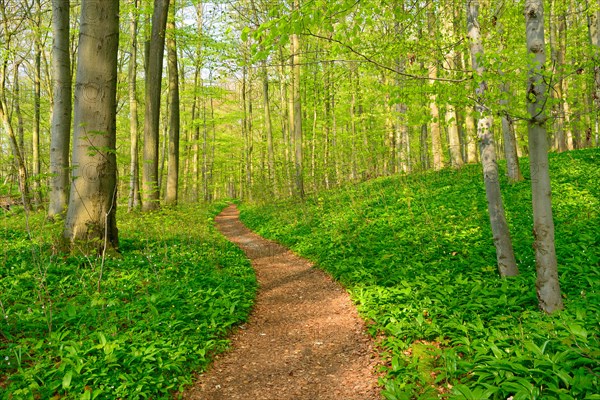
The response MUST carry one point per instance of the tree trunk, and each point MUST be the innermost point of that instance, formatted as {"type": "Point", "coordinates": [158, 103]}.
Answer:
{"type": "Point", "coordinates": [594, 33]}
{"type": "Point", "coordinates": [268, 128]}
{"type": "Point", "coordinates": [134, 166]}
{"type": "Point", "coordinates": [434, 126]}
{"type": "Point", "coordinates": [174, 125]}
{"type": "Point", "coordinates": [17, 154]}
{"type": "Point", "coordinates": [558, 60]}
{"type": "Point", "coordinates": [37, 94]}
{"type": "Point", "coordinates": [510, 142]}
{"type": "Point", "coordinates": [17, 148]}
{"type": "Point", "coordinates": [60, 133]}
{"type": "Point", "coordinates": [507, 265]}
{"type": "Point", "coordinates": [456, 159]}
{"type": "Point", "coordinates": [471, 135]}
{"type": "Point", "coordinates": [150, 182]}
{"type": "Point", "coordinates": [297, 126]}
{"type": "Point", "coordinates": [91, 216]}
{"type": "Point", "coordinates": [286, 107]}
{"type": "Point", "coordinates": [547, 284]}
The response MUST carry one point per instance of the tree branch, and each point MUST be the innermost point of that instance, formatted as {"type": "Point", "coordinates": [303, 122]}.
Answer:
{"type": "Point", "coordinates": [380, 65]}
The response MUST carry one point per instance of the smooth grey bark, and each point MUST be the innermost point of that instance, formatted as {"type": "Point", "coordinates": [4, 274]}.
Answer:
{"type": "Point", "coordinates": [134, 199]}
{"type": "Point", "coordinates": [172, 188]}
{"type": "Point", "coordinates": [507, 265]}
{"type": "Point", "coordinates": [150, 184]}
{"type": "Point", "coordinates": [547, 283]}
{"type": "Point", "coordinates": [91, 216]}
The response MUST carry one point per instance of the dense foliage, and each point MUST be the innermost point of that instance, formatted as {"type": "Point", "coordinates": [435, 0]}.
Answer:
{"type": "Point", "coordinates": [132, 326]}
{"type": "Point", "coordinates": [415, 253]}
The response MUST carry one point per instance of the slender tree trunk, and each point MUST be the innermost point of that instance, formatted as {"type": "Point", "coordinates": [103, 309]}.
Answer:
{"type": "Point", "coordinates": [594, 33]}
{"type": "Point", "coordinates": [174, 119]}
{"type": "Point", "coordinates": [60, 133]}
{"type": "Point", "coordinates": [17, 148]}
{"type": "Point", "coordinates": [456, 159]}
{"type": "Point", "coordinates": [547, 284]}
{"type": "Point", "coordinates": [434, 126]}
{"type": "Point", "coordinates": [297, 113]}
{"type": "Point", "coordinates": [558, 61]}
{"type": "Point", "coordinates": [205, 155]}
{"type": "Point", "coordinates": [18, 112]}
{"type": "Point", "coordinates": [17, 154]}
{"type": "Point", "coordinates": [286, 118]}
{"type": "Point", "coordinates": [354, 155]}
{"type": "Point", "coordinates": [507, 265]}
{"type": "Point", "coordinates": [268, 127]}
{"type": "Point", "coordinates": [327, 99]}
{"type": "Point", "coordinates": [134, 166]}
{"type": "Point", "coordinates": [91, 216]}
{"type": "Point", "coordinates": [510, 142]}
{"type": "Point", "coordinates": [150, 182]}
{"type": "Point", "coordinates": [424, 148]}
{"type": "Point", "coordinates": [471, 135]}
{"type": "Point", "coordinates": [37, 94]}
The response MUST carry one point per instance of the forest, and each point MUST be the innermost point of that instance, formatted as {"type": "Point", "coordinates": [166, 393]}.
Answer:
{"type": "Point", "coordinates": [437, 158]}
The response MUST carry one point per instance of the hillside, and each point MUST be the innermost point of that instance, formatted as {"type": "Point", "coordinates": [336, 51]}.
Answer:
{"type": "Point", "coordinates": [416, 254]}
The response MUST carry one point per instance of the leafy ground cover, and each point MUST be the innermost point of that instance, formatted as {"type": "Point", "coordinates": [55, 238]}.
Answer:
{"type": "Point", "coordinates": [416, 254]}
{"type": "Point", "coordinates": [134, 326]}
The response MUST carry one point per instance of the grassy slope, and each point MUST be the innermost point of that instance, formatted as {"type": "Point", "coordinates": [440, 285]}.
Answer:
{"type": "Point", "coordinates": [417, 257]}
{"type": "Point", "coordinates": [164, 307]}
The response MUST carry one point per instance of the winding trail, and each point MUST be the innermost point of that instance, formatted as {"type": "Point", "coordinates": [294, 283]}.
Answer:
{"type": "Point", "coordinates": [304, 339]}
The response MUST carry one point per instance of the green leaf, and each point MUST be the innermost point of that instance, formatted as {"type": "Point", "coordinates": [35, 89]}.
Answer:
{"type": "Point", "coordinates": [578, 330]}
{"type": "Point", "coordinates": [66, 381]}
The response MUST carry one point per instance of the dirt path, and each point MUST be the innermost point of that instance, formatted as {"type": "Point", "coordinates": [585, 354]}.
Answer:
{"type": "Point", "coordinates": [304, 339]}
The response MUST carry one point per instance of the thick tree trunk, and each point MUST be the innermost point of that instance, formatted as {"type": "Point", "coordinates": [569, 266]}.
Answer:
{"type": "Point", "coordinates": [507, 265]}
{"type": "Point", "coordinates": [91, 216]}
{"type": "Point", "coordinates": [174, 119]}
{"type": "Point", "coordinates": [150, 182]}
{"type": "Point", "coordinates": [60, 133]}
{"type": "Point", "coordinates": [547, 284]}
{"type": "Point", "coordinates": [134, 166]}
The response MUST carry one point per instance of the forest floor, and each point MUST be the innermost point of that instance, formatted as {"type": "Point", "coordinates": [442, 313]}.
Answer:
{"type": "Point", "coordinates": [304, 338]}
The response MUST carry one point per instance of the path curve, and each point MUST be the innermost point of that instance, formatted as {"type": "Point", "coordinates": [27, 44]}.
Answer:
{"type": "Point", "coordinates": [304, 339]}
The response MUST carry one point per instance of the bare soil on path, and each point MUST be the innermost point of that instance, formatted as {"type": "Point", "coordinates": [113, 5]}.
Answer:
{"type": "Point", "coordinates": [304, 339]}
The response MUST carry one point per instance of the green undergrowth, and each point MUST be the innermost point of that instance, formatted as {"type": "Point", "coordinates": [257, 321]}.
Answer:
{"type": "Point", "coordinates": [416, 254]}
{"type": "Point", "coordinates": [163, 308]}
